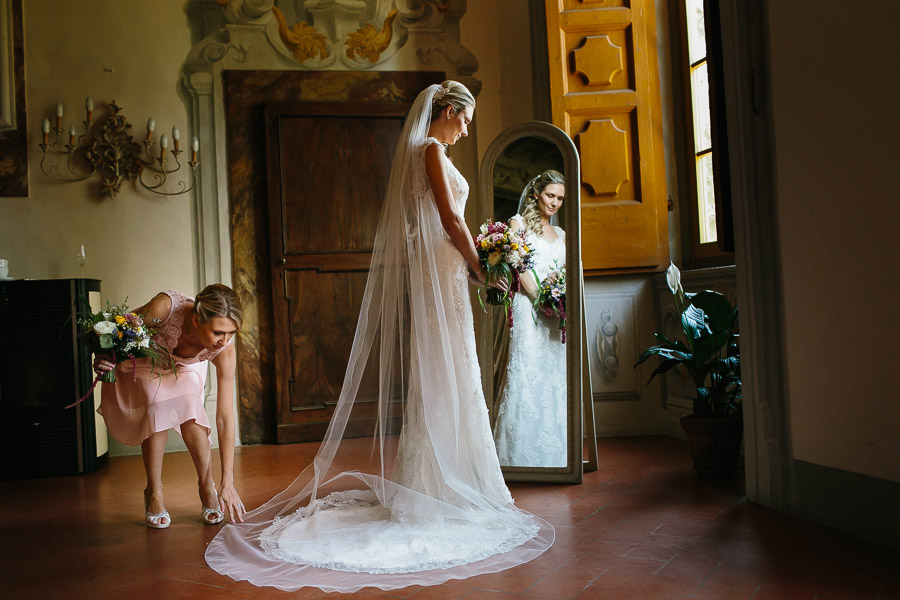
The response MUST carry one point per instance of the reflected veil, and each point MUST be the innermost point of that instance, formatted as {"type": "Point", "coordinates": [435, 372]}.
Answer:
{"type": "Point", "coordinates": [411, 339]}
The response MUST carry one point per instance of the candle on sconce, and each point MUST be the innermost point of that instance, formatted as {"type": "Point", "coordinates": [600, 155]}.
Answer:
{"type": "Point", "coordinates": [89, 107]}
{"type": "Point", "coordinates": [151, 125]}
{"type": "Point", "coordinates": [59, 114]}
{"type": "Point", "coordinates": [72, 135]}
{"type": "Point", "coordinates": [195, 146]}
{"type": "Point", "coordinates": [176, 135]}
{"type": "Point", "coordinates": [163, 144]}
{"type": "Point", "coordinates": [45, 129]}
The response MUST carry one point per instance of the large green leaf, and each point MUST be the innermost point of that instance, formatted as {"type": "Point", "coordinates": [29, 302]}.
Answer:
{"type": "Point", "coordinates": [708, 345]}
{"type": "Point", "coordinates": [677, 344]}
{"type": "Point", "coordinates": [664, 367]}
{"type": "Point", "coordinates": [664, 352]}
{"type": "Point", "coordinates": [693, 321]}
{"type": "Point", "coordinates": [718, 310]}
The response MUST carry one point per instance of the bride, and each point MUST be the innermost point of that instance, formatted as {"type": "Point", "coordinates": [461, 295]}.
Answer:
{"type": "Point", "coordinates": [433, 505]}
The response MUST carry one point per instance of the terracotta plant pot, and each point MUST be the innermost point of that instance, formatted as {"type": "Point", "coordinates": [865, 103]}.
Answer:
{"type": "Point", "coordinates": [715, 443]}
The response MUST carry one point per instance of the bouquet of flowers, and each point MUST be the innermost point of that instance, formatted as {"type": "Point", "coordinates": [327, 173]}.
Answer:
{"type": "Point", "coordinates": [503, 253]}
{"type": "Point", "coordinates": [551, 298]}
{"type": "Point", "coordinates": [119, 332]}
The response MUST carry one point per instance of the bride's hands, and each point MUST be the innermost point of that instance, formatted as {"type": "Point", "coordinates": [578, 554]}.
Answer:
{"type": "Point", "coordinates": [478, 278]}
{"type": "Point", "coordinates": [500, 283]}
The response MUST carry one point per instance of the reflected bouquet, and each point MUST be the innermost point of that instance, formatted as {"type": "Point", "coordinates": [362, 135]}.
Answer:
{"type": "Point", "coordinates": [503, 253]}
{"type": "Point", "coordinates": [551, 298]}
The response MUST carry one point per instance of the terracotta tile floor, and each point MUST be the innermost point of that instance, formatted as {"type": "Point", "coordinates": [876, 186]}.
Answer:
{"type": "Point", "coordinates": [642, 528]}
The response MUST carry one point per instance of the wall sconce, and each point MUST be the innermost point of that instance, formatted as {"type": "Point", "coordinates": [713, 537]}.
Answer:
{"type": "Point", "coordinates": [106, 147]}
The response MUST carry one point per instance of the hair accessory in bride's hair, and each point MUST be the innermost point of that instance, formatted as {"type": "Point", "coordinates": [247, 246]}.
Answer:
{"type": "Point", "coordinates": [439, 93]}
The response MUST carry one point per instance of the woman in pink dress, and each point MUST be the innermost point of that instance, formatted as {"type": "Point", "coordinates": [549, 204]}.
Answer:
{"type": "Point", "coordinates": [147, 400]}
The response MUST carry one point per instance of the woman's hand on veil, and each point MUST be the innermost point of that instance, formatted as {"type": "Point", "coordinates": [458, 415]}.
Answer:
{"type": "Point", "coordinates": [231, 503]}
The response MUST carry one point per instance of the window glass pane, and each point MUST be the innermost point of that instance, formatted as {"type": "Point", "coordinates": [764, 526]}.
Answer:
{"type": "Point", "coordinates": [706, 199]}
{"type": "Point", "coordinates": [700, 102]}
{"type": "Point", "coordinates": [696, 27]}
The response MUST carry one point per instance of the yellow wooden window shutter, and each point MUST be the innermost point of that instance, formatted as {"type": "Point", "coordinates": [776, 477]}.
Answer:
{"type": "Point", "coordinates": [604, 87]}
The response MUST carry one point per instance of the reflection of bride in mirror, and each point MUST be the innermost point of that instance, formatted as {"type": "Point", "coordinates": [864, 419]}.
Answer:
{"type": "Point", "coordinates": [530, 430]}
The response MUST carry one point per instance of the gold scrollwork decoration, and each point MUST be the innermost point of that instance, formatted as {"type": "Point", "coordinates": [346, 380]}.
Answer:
{"type": "Point", "coordinates": [113, 154]}
{"type": "Point", "coordinates": [368, 43]}
{"type": "Point", "coordinates": [302, 39]}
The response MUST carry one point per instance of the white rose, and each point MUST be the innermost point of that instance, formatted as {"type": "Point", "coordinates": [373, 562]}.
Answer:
{"type": "Point", "coordinates": [104, 328]}
{"type": "Point", "coordinates": [145, 343]}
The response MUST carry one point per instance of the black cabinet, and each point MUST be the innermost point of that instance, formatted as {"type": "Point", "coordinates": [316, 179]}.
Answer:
{"type": "Point", "coordinates": [43, 368]}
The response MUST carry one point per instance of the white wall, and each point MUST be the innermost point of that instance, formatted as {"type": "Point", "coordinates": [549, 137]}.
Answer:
{"type": "Point", "coordinates": [138, 243]}
{"type": "Point", "coordinates": [837, 175]}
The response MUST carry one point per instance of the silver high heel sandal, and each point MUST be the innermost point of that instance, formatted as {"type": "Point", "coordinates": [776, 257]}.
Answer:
{"type": "Point", "coordinates": [213, 516]}
{"type": "Point", "coordinates": [155, 520]}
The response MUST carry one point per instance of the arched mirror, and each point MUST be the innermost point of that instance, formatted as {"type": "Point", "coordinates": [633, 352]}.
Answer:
{"type": "Point", "coordinates": [534, 372]}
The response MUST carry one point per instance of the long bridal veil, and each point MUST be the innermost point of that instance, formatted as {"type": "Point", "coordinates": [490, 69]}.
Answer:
{"type": "Point", "coordinates": [430, 504]}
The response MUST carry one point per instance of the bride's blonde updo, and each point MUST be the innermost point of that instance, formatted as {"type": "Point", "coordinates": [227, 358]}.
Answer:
{"type": "Point", "coordinates": [451, 93]}
{"type": "Point", "coordinates": [218, 300]}
{"type": "Point", "coordinates": [531, 215]}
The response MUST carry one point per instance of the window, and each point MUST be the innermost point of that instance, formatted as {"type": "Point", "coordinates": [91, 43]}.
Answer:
{"type": "Point", "coordinates": [707, 204]}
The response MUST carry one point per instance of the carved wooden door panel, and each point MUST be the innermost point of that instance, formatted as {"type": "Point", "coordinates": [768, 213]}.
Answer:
{"type": "Point", "coordinates": [328, 168]}
{"type": "Point", "coordinates": [604, 86]}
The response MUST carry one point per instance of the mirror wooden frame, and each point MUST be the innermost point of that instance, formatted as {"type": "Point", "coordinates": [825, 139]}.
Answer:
{"type": "Point", "coordinates": [580, 406]}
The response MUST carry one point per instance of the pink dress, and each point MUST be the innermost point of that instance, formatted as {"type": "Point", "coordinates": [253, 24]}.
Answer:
{"type": "Point", "coordinates": [144, 400]}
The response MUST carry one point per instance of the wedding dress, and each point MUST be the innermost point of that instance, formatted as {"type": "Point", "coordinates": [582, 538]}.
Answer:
{"type": "Point", "coordinates": [433, 505]}
{"type": "Point", "coordinates": [530, 430]}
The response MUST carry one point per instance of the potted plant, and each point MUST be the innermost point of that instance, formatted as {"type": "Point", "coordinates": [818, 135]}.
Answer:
{"type": "Point", "coordinates": [710, 354]}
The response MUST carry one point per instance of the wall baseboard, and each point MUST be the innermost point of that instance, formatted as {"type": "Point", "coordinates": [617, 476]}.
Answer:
{"type": "Point", "coordinates": [859, 504]}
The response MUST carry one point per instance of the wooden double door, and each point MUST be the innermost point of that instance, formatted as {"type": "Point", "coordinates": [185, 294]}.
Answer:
{"type": "Point", "coordinates": [328, 169]}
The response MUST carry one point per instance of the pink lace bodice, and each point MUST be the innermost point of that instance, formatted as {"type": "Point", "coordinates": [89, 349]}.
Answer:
{"type": "Point", "coordinates": [168, 332]}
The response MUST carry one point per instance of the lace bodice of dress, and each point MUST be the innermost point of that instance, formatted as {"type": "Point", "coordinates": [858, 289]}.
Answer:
{"type": "Point", "coordinates": [168, 332]}
{"type": "Point", "coordinates": [458, 184]}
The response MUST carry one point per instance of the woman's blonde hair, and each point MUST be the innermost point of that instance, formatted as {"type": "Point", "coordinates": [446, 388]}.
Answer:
{"type": "Point", "coordinates": [452, 93]}
{"type": "Point", "coordinates": [218, 300]}
{"type": "Point", "coordinates": [531, 215]}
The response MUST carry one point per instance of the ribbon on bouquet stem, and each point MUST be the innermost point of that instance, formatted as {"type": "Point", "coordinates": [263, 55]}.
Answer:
{"type": "Point", "coordinates": [90, 390]}
{"type": "Point", "coordinates": [101, 376]}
